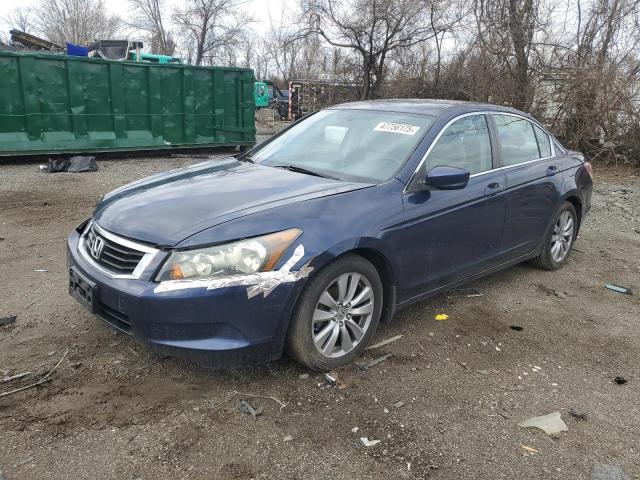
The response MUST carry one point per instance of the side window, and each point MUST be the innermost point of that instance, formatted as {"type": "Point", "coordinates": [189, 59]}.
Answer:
{"type": "Point", "coordinates": [464, 144]}
{"type": "Point", "coordinates": [518, 142]}
{"type": "Point", "coordinates": [543, 142]}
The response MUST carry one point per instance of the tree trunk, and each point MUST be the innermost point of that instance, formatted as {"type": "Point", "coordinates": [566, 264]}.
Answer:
{"type": "Point", "coordinates": [517, 31]}
{"type": "Point", "coordinates": [379, 69]}
{"type": "Point", "coordinates": [366, 80]}
{"type": "Point", "coordinates": [200, 46]}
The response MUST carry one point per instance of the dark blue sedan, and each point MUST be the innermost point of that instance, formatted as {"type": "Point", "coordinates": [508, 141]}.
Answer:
{"type": "Point", "coordinates": [305, 243]}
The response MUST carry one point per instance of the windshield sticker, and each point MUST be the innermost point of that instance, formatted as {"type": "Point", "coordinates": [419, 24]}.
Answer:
{"type": "Point", "coordinates": [396, 128]}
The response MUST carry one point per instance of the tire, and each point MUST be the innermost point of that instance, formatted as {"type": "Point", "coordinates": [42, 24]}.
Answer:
{"type": "Point", "coordinates": [547, 260]}
{"type": "Point", "coordinates": [341, 317]}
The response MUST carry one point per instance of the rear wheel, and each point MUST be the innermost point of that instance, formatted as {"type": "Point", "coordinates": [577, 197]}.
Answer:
{"type": "Point", "coordinates": [337, 314]}
{"type": "Point", "coordinates": [559, 239]}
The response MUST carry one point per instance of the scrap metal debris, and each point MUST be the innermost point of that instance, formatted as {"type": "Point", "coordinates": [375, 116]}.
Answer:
{"type": "Point", "coordinates": [616, 288]}
{"type": "Point", "coordinates": [369, 443]}
{"type": "Point", "coordinates": [330, 378]}
{"type": "Point", "coordinates": [384, 342]}
{"type": "Point", "coordinates": [7, 320]}
{"type": "Point", "coordinates": [608, 472]}
{"type": "Point", "coordinates": [73, 164]}
{"type": "Point", "coordinates": [374, 362]}
{"type": "Point", "coordinates": [620, 380]}
{"type": "Point", "coordinates": [517, 328]}
{"type": "Point", "coordinates": [551, 424]}
{"type": "Point", "coordinates": [245, 407]}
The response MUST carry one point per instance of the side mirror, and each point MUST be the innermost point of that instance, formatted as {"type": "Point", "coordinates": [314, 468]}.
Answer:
{"type": "Point", "coordinates": [447, 178]}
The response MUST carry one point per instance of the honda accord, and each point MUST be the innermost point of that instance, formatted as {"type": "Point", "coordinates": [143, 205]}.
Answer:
{"type": "Point", "coordinates": [306, 242]}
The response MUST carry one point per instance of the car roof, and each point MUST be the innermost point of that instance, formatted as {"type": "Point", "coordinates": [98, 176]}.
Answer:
{"type": "Point", "coordinates": [424, 106]}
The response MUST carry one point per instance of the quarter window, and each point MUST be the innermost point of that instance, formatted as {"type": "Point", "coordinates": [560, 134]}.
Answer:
{"type": "Point", "coordinates": [543, 142]}
{"type": "Point", "coordinates": [518, 142]}
{"type": "Point", "coordinates": [464, 144]}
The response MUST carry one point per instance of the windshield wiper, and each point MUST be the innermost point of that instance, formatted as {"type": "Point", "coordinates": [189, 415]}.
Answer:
{"type": "Point", "coordinates": [244, 158]}
{"type": "Point", "coordinates": [294, 168]}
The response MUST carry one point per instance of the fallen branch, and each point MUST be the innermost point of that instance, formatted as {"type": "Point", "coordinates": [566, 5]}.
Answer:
{"type": "Point", "coordinates": [14, 377]}
{"type": "Point", "coordinates": [384, 342]}
{"type": "Point", "coordinates": [39, 382]}
{"type": "Point", "coordinates": [282, 405]}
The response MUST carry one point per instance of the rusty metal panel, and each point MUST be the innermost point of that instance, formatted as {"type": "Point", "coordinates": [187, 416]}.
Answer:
{"type": "Point", "coordinates": [52, 103]}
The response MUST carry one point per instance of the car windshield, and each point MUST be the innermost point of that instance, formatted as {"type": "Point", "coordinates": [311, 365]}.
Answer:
{"type": "Point", "coordinates": [354, 145]}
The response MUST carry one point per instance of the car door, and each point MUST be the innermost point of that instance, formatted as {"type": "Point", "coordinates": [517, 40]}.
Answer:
{"type": "Point", "coordinates": [449, 235]}
{"type": "Point", "coordinates": [532, 182]}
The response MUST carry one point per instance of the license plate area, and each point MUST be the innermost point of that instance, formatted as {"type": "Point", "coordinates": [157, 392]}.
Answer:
{"type": "Point", "coordinates": [82, 289]}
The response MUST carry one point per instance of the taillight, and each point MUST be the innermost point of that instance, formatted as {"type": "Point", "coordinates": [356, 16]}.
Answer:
{"type": "Point", "coordinates": [589, 169]}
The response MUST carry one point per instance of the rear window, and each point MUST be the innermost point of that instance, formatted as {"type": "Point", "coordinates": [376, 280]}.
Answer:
{"type": "Point", "coordinates": [544, 144]}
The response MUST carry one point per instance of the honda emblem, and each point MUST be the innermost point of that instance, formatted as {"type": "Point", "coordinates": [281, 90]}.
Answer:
{"type": "Point", "coordinates": [97, 245]}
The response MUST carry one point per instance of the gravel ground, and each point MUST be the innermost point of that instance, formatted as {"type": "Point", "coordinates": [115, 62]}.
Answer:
{"type": "Point", "coordinates": [445, 405]}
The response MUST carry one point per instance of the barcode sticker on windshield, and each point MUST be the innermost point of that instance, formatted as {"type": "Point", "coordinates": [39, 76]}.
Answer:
{"type": "Point", "coordinates": [396, 128]}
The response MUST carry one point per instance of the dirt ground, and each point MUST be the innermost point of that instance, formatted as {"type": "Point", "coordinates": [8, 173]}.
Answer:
{"type": "Point", "coordinates": [113, 410]}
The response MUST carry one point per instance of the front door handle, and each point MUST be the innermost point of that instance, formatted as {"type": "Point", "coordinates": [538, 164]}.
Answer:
{"type": "Point", "coordinates": [492, 188]}
{"type": "Point", "coordinates": [552, 170]}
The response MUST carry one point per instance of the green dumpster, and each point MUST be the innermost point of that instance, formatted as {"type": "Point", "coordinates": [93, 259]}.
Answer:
{"type": "Point", "coordinates": [52, 103]}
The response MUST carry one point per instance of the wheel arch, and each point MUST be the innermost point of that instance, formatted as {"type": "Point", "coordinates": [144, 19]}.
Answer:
{"type": "Point", "coordinates": [574, 199]}
{"type": "Point", "coordinates": [383, 267]}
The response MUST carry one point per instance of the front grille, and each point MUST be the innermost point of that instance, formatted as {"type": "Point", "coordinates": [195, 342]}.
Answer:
{"type": "Point", "coordinates": [112, 256]}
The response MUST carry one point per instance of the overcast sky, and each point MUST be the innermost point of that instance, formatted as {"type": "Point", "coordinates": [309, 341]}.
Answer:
{"type": "Point", "coordinates": [260, 9]}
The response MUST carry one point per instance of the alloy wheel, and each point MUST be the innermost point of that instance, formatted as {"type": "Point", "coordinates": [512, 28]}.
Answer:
{"type": "Point", "coordinates": [342, 315]}
{"type": "Point", "coordinates": [562, 237]}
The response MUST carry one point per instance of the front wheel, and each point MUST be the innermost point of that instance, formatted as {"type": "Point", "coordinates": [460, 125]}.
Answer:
{"type": "Point", "coordinates": [559, 239]}
{"type": "Point", "coordinates": [337, 314]}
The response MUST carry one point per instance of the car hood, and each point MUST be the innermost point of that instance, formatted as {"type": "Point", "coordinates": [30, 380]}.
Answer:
{"type": "Point", "coordinates": [165, 209]}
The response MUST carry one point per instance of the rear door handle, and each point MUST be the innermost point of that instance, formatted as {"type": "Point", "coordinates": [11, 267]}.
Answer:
{"type": "Point", "coordinates": [552, 170]}
{"type": "Point", "coordinates": [493, 188]}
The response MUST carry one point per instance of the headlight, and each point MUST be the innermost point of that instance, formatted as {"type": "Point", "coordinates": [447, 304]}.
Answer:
{"type": "Point", "coordinates": [252, 255]}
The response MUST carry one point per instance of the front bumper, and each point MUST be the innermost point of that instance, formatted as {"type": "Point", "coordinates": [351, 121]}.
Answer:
{"type": "Point", "coordinates": [214, 328]}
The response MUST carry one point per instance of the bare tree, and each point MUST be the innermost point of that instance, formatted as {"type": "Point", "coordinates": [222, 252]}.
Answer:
{"type": "Point", "coordinates": [575, 64]}
{"type": "Point", "coordinates": [253, 57]}
{"type": "Point", "coordinates": [76, 21]}
{"type": "Point", "coordinates": [21, 18]}
{"type": "Point", "coordinates": [596, 77]}
{"type": "Point", "coordinates": [506, 30]}
{"type": "Point", "coordinates": [213, 27]}
{"type": "Point", "coordinates": [282, 45]}
{"type": "Point", "coordinates": [373, 30]}
{"type": "Point", "coordinates": [149, 16]}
